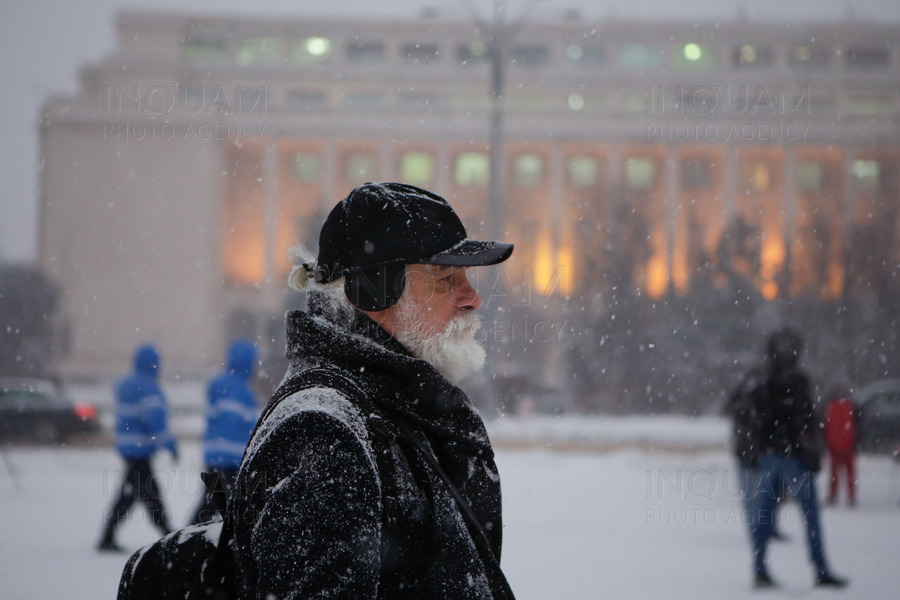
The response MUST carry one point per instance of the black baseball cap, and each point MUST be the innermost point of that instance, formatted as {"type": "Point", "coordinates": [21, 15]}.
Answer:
{"type": "Point", "coordinates": [371, 235]}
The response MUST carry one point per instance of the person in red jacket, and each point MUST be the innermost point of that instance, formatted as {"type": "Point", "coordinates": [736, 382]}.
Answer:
{"type": "Point", "coordinates": [840, 439]}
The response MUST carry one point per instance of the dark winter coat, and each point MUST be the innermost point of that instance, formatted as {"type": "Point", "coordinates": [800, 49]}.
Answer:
{"type": "Point", "coordinates": [773, 413]}
{"type": "Point", "coordinates": [333, 502]}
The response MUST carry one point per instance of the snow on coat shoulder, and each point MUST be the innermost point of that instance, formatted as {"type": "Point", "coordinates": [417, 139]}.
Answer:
{"type": "Point", "coordinates": [324, 400]}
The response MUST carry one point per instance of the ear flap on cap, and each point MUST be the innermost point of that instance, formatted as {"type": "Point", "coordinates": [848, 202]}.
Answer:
{"type": "Point", "coordinates": [375, 288]}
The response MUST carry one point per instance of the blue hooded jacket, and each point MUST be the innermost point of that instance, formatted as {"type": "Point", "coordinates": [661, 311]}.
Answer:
{"type": "Point", "coordinates": [232, 410]}
{"type": "Point", "coordinates": [141, 409]}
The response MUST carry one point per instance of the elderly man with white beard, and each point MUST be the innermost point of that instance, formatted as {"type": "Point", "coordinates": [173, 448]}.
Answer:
{"type": "Point", "coordinates": [370, 473]}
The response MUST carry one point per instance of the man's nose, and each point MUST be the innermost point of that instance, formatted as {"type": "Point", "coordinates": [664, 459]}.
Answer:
{"type": "Point", "coordinates": [468, 297]}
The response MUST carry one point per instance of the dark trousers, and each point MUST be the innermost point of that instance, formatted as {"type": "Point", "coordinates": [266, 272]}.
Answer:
{"type": "Point", "coordinates": [784, 473]}
{"type": "Point", "coordinates": [207, 508]}
{"type": "Point", "coordinates": [138, 485]}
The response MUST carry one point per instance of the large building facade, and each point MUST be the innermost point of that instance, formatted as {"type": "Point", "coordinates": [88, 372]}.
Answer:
{"type": "Point", "coordinates": [202, 148]}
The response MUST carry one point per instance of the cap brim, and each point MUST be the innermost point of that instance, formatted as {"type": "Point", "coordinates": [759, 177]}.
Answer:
{"type": "Point", "coordinates": [471, 253]}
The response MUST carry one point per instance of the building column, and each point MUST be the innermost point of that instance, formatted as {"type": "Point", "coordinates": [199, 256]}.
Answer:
{"type": "Point", "coordinates": [789, 214]}
{"type": "Point", "coordinates": [329, 177]}
{"type": "Point", "coordinates": [271, 288]}
{"type": "Point", "coordinates": [673, 187]}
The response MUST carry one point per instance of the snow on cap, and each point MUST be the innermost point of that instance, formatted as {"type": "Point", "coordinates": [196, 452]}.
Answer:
{"type": "Point", "coordinates": [397, 224]}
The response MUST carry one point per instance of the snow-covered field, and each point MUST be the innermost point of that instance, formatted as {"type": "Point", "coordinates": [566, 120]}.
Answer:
{"type": "Point", "coordinates": [637, 508]}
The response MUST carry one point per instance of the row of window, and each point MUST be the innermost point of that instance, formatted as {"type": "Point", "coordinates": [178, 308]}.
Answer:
{"type": "Point", "coordinates": [472, 169]}
{"type": "Point", "coordinates": [273, 51]}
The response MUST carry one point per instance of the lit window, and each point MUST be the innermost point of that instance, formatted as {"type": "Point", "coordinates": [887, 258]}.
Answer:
{"type": "Point", "coordinates": [311, 50]}
{"type": "Point", "coordinates": [753, 56]}
{"type": "Point", "coordinates": [575, 101]}
{"type": "Point", "coordinates": [306, 167]}
{"type": "Point", "coordinates": [417, 168]}
{"type": "Point", "coordinates": [634, 103]}
{"type": "Point", "coordinates": [472, 53]}
{"type": "Point", "coordinates": [871, 106]}
{"type": "Point", "coordinates": [528, 170]}
{"type": "Point", "coordinates": [755, 176]}
{"type": "Point", "coordinates": [258, 50]}
{"type": "Point", "coordinates": [473, 169]}
{"type": "Point", "coordinates": [574, 53]}
{"type": "Point", "coordinates": [420, 53]}
{"type": "Point", "coordinates": [640, 174]}
{"type": "Point", "coordinates": [360, 167]}
{"type": "Point", "coordinates": [365, 52]}
{"type": "Point", "coordinates": [810, 176]}
{"type": "Point", "coordinates": [583, 172]}
{"type": "Point", "coordinates": [695, 173]}
{"type": "Point", "coordinates": [693, 52]}
{"type": "Point", "coordinates": [866, 173]}
{"type": "Point", "coordinates": [639, 56]}
{"type": "Point", "coordinates": [806, 56]}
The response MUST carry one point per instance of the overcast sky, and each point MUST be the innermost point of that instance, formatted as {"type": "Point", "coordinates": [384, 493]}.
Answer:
{"type": "Point", "coordinates": [43, 42]}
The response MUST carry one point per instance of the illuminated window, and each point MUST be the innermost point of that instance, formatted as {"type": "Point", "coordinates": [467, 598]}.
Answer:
{"type": "Point", "coordinates": [528, 170]}
{"type": "Point", "coordinates": [809, 56]}
{"type": "Point", "coordinates": [748, 56]}
{"type": "Point", "coordinates": [639, 56]}
{"type": "Point", "coordinates": [693, 56]}
{"type": "Point", "coordinates": [473, 169]}
{"type": "Point", "coordinates": [575, 101]}
{"type": "Point", "coordinates": [583, 172]}
{"type": "Point", "coordinates": [755, 177]}
{"type": "Point", "coordinates": [360, 168]}
{"type": "Point", "coordinates": [420, 53]}
{"type": "Point", "coordinates": [259, 50]}
{"type": "Point", "coordinates": [365, 52]}
{"type": "Point", "coordinates": [696, 173]}
{"type": "Point", "coordinates": [306, 167]}
{"type": "Point", "coordinates": [417, 168]}
{"type": "Point", "coordinates": [866, 174]}
{"type": "Point", "coordinates": [867, 58]}
{"type": "Point", "coordinates": [311, 50]}
{"type": "Point", "coordinates": [810, 176]}
{"type": "Point", "coordinates": [640, 174]}
{"type": "Point", "coordinates": [472, 53]}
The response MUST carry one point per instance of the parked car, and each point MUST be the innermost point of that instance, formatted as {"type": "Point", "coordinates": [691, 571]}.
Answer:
{"type": "Point", "coordinates": [35, 410]}
{"type": "Point", "coordinates": [878, 420]}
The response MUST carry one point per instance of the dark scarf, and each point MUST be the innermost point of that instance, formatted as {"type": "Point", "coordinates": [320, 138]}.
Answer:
{"type": "Point", "coordinates": [395, 381]}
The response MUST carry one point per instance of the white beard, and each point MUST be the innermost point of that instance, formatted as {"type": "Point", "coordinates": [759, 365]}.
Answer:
{"type": "Point", "coordinates": [455, 352]}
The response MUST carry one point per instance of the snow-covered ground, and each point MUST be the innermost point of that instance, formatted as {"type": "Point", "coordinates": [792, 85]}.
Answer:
{"type": "Point", "coordinates": [633, 508]}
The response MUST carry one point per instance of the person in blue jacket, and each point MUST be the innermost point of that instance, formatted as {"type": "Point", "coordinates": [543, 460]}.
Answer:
{"type": "Point", "coordinates": [141, 430]}
{"type": "Point", "coordinates": [232, 412]}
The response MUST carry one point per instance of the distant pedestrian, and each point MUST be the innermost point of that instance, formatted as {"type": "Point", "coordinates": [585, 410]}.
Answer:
{"type": "Point", "coordinates": [784, 439]}
{"type": "Point", "coordinates": [232, 411]}
{"type": "Point", "coordinates": [141, 429]}
{"type": "Point", "coordinates": [840, 440]}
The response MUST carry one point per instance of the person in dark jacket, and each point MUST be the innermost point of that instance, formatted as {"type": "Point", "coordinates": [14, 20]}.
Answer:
{"type": "Point", "coordinates": [785, 442]}
{"type": "Point", "coordinates": [141, 430]}
{"type": "Point", "coordinates": [370, 474]}
{"type": "Point", "coordinates": [231, 413]}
